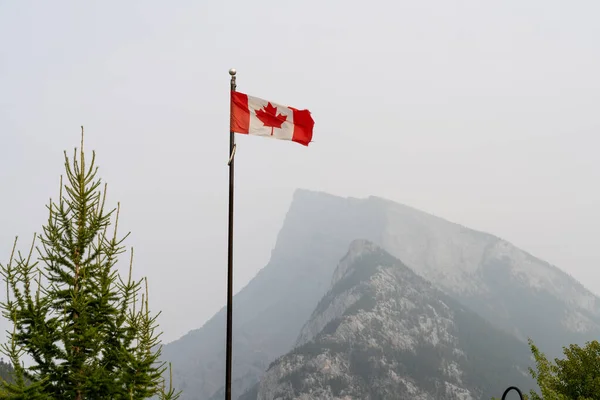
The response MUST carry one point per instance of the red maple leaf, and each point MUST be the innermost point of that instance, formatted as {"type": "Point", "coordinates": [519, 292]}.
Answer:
{"type": "Point", "coordinates": [268, 116]}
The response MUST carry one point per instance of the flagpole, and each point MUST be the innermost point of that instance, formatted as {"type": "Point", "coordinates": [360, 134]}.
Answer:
{"type": "Point", "coordinates": [228, 356]}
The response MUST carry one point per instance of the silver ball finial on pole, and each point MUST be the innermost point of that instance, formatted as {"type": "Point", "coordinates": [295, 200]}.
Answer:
{"type": "Point", "coordinates": [232, 72]}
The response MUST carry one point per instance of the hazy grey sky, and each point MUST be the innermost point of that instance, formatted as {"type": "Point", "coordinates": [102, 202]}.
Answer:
{"type": "Point", "coordinates": [484, 113]}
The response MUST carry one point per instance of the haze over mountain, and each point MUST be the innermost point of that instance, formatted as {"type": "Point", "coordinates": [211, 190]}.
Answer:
{"type": "Point", "coordinates": [484, 113]}
{"type": "Point", "coordinates": [382, 332]}
{"type": "Point", "coordinates": [512, 290]}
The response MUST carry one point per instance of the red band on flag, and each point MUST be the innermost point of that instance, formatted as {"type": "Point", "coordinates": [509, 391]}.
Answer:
{"type": "Point", "coordinates": [303, 126]}
{"type": "Point", "coordinates": [240, 114]}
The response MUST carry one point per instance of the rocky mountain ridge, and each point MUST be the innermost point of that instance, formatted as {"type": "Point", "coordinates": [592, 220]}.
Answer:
{"type": "Point", "coordinates": [508, 287]}
{"type": "Point", "coordinates": [383, 332]}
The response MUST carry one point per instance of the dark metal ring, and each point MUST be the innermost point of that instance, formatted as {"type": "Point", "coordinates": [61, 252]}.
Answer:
{"type": "Point", "coordinates": [512, 388]}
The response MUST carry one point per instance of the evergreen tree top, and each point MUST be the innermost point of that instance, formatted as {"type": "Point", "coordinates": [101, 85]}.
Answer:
{"type": "Point", "coordinates": [89, 331]}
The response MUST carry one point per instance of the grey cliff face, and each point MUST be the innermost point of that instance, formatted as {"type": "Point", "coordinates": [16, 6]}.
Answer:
{"type": "Point", "coordinates": [382, 332]}
{"type": "Point", "coordinates": [509, 287]}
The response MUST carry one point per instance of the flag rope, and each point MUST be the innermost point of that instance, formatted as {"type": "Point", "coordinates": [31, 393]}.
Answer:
{"type": "Point", "coordinates": [232, 154]}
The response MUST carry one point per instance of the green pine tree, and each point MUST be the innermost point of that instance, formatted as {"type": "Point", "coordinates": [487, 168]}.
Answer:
{"type": "Point", "coordinates": [89, 333]}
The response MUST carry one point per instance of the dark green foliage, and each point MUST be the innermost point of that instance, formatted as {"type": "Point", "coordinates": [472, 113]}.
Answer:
{"type": "Point", "coordinates": [89, 332]}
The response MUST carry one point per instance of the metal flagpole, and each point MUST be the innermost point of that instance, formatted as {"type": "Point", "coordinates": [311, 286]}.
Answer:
{"type": "Point", "coordinates": [228, 356]}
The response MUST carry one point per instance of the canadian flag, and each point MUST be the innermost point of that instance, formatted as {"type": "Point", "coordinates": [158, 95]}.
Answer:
{"type": "Point", "coordinates": [254, 116]}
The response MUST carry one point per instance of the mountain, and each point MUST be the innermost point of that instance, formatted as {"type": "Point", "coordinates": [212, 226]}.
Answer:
{"type": "Point", "coordinates": [383, 332]}
{"type": "Point", "coordinates": [270, 311]}
{"type": "Point", "coordinates": [511, 288]}
{"type": "Point", "coordinates": [508, 287]}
